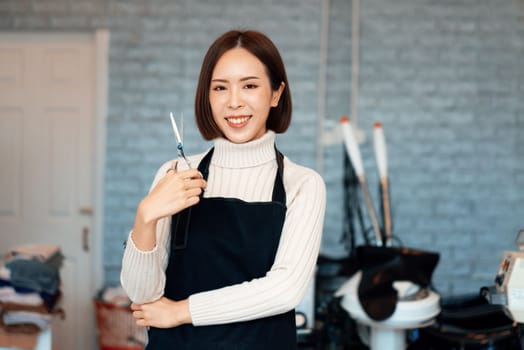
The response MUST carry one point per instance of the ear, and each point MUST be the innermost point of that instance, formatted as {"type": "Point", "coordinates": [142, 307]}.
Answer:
{"type": "Point", "coordinates": [276, 94]}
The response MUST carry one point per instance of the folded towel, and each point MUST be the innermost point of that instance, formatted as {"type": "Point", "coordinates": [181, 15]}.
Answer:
{"type": "Point", "coordinates": [41, 252]}
{"type": "Point", "coordinates": [27, 317]}
{"type": "Point", "coordinates": [10, 295]}
{"type": "Point", "coordinates": [34, 274]}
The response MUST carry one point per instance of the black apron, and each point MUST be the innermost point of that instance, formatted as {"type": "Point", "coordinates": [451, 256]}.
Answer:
{"type": "Point", "coordinates": [221, 242]}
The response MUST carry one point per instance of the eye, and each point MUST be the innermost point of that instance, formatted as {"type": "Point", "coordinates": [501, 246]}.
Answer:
{"type": "Point", "coordinates": [218, 87]}
{"type": "Point", "coordinates": [250, 86]}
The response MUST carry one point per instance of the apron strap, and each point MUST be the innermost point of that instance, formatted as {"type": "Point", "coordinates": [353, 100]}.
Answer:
{"type": "Point", "coordinates": [203, 166]}
{"type": "Point", "coordinates": [279, 193]}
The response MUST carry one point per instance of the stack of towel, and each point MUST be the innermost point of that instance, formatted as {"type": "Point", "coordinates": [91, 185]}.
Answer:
{"type": "Point", "coordinates": [29, 288]}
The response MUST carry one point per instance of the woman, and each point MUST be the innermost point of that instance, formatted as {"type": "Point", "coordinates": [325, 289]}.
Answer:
{"type": "Point", "coordinates": [220, 256]}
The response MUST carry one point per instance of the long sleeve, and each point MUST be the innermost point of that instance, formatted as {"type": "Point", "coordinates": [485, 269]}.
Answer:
{"type": "Point", "coordinates": [143, 272]}
{"type": "Point", "coordinates": [246, 172]}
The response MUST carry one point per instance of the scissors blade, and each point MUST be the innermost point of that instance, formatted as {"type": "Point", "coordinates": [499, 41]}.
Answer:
{"type": "Point", "coordinates": [175, 130]}
{"type": "Point", "coordinates": [180, 145]}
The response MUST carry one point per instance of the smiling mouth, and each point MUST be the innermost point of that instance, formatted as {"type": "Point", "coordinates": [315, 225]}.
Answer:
{"type": "Point", "coordinates": [238, 121]}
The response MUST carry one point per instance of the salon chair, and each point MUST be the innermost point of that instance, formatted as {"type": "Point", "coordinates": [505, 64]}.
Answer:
{"type": "Point", "coordinates": [390, 293]}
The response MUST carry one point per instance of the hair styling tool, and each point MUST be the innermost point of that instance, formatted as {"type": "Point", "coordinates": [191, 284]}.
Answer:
{"type": "Point", "coordinates": [382, 164]}
{"type": "Point", "coordinates": [354, 154]}
{"type": "Point", "coordinates": [352, 209]}
{"type": "Point", "coordinates": [180, 145]}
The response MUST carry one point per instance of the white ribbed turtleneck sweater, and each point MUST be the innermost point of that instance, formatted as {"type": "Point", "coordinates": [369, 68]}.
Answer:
{"type": "Point", "coordinates": [247, 172]}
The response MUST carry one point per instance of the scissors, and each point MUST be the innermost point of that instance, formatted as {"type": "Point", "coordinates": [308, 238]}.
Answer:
{"type": "Point", "coordinates": [180, 145]}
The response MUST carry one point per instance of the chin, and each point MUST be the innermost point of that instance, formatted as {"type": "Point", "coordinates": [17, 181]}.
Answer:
{"type": "Point", "coordinates": [239, 140]}
{"type": "Point", "coordinates": [239, 137]}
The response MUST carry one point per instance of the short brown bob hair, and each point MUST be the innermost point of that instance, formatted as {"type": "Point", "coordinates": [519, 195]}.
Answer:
{"type": "Point", "coordinates": [261, 47]}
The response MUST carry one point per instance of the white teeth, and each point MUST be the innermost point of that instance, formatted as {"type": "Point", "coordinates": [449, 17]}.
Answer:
{"type": "Point", "coordinates": [237, 120]}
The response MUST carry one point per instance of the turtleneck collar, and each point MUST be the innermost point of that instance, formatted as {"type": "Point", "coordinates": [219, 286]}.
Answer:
{"type": "Point", "coordinates": [243, 155]}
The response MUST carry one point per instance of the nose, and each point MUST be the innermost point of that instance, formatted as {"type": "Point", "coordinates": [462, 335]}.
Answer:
{"type": "Point", "coordinates": [235, 98]}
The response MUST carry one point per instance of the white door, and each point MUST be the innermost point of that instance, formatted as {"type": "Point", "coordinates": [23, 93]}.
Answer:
{"type": "Point", "coordinates": [47, 123]}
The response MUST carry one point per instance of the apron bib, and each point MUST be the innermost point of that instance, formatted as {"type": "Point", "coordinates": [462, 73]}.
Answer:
{"type": "Point", "coordinates": [217, 243]}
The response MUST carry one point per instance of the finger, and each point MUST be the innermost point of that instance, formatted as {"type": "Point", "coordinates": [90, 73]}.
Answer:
{"type": "Point", "coordinates": [195, 183]}
{"type": "Point", "coordinates": [138, 314]}
{"type": "Point", "coordinates": [191, 201]}
{"type": "Point", "coordinates": [191, 174]}
{"type": "Point", "coordinates": [141, 323]}
{"type": "Point", "coordinates": [173, 166]}
{"type": "Point", "coordinates": [193, 192]}
{"type": "Point", "coordinates": [136, 306]}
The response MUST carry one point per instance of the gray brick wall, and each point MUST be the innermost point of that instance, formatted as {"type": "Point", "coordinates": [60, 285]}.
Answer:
{"type": "Point", "coordinates": [446, 79]}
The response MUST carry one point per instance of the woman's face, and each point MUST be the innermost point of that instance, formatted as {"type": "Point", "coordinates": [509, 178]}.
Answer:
{"type": "Point", "coordinates": [241, 96]}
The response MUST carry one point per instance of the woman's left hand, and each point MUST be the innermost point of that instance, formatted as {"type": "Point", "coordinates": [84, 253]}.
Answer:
{"type": "Point", "coordinates": [162, 313]}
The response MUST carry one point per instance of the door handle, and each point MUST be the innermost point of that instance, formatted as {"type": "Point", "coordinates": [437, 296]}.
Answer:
{"type": "Point", "coordinates": [86, 210]}
{"type": "Point", "coordinates": [85, 239]}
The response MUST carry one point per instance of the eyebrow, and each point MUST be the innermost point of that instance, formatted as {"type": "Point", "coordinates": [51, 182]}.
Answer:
{"type": "Point", "coordinates": [241, 79]}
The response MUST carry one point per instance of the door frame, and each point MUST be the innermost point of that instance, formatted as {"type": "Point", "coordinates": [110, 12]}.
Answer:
{"type": "Point", "coordinates": [101, 37]}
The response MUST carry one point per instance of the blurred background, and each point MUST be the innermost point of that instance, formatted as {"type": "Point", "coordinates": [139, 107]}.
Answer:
{"type": "Point", "coordinates": [445, 79]}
